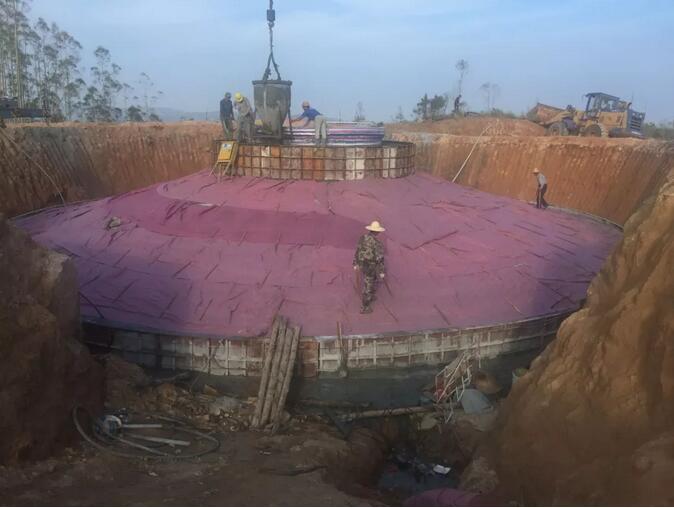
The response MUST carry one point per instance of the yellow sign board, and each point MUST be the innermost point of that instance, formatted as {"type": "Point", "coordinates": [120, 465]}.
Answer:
{"type": "Point", "coordinates": [226, 149]}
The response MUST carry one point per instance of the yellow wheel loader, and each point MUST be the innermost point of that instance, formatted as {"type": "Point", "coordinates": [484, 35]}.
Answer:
{"type": "Point", "coordinates": [605, 115]}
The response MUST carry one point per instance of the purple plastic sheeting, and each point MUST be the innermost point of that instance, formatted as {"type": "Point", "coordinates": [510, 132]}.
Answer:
{"type": "Point", "coordinates": [193, 256]}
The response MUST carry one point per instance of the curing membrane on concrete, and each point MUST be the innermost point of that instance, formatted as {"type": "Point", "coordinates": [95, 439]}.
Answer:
{"type": "Point", "coordinates": [195, 256]}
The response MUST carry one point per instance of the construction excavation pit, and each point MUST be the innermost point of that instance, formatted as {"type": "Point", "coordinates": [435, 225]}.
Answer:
{"type": "Point", "coordinates": [266, 305]}
{"type": "Point", "coordinates": [190, 273]}
{"type": "Point", "coordinates": [235, 292]}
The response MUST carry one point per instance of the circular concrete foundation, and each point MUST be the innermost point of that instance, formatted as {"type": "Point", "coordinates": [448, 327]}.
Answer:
{"type": "Point", "coordinates": [390, 159]}
{"type": "Point", "coordinates": [190, 273]}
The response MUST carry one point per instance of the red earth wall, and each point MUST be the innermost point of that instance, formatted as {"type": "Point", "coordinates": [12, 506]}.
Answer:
{"type": "Point", "coordinates": [471, 126]}
{"type": "Point", "coordinates": [44, 370]}
{"type": "Point", "coordinates": [605, 177]}
{"type": "Point", "coordinates": [592, 422]}
{"type": "Point", "coordinates": [96, 160]}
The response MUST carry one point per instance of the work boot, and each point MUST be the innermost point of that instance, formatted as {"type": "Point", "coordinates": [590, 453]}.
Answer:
{"type": "Point", "coordinates": [366, 309]}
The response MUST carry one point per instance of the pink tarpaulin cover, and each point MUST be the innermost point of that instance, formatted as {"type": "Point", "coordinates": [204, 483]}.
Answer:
{"type": "Point", "coordinates": [194, 256]}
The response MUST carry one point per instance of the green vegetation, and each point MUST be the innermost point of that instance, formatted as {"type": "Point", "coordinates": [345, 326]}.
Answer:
{"type": "Point", "coordinates": [40, 67]}
{"type": "Point", "coordinates": [431, 109]}
{"type": "Point", "coordinates": [435, 108]}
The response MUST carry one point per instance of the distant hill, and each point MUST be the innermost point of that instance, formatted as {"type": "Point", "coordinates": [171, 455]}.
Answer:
{"type": "Point", "coordinates": [176, 115]}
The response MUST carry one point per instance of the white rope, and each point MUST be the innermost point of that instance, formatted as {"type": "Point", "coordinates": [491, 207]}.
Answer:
{"type": "Point", "coordinates": [473, 149]}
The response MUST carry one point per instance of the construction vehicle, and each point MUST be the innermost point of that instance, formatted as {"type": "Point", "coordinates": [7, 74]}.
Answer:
{"type": "Point", "coordinates": [605, 115]}
{"type": "Point", "coordinates": [9, 109]}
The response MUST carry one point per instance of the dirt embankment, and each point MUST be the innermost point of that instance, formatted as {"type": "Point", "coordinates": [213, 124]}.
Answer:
{"type": "Point", "coordinates": [86, 161]}
{"type": "Point", "coordinates": [592, 423]}
{"type": "Point", "coordinates": [44, 370]}
{"type": "Point", "coordinates": [605, 177]}
{"type": "Point", "coordinates": [471, 126]}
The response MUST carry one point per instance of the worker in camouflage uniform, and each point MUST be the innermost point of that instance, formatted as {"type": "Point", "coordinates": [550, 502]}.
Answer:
{"type": "Point", "coordinates": [369, 259]}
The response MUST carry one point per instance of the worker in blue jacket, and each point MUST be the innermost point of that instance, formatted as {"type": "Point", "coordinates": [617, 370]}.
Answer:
{"type": "Point", "coordinates": [309, 115]}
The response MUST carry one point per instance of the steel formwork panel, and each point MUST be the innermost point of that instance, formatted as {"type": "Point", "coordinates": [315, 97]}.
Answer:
{"type": "Point", "coordinates": [244, 357]}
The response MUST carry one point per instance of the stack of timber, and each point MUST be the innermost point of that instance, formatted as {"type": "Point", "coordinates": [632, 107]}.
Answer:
{"type": "Point", "coordinates": [277, 371]}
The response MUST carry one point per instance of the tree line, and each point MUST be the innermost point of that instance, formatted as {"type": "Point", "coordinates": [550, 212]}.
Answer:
{"type": "Point", "coordinates": [442, 105]}
{"type": "Point", "coordinates": [40, 67]}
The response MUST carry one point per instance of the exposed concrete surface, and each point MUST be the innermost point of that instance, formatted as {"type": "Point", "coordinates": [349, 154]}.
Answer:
{"type": "Point", "coordinates": [591, 423]}
{"type": "Point", "coordinates": [605, 177]}
{"type": "Point", "coordinates": [44, 370]}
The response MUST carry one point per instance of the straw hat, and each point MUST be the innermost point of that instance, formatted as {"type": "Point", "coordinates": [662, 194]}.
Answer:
{"type": "Point", "coordinates": [375, 226]}
{"type": "Point", "coordinates": [536, 171]}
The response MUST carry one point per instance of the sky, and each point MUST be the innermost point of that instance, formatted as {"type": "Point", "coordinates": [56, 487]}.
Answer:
{"type": "Point", "coordinates": [386, 54]}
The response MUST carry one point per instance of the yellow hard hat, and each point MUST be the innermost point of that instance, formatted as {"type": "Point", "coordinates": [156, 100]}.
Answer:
{"type": "Point", "coordinates": [376, 227]}
{"type": "Point", "coordinates": [238, 97]}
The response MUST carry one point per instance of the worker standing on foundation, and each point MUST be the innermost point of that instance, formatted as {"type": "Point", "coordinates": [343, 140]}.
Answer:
{"type": "Point", "coordinates": [246, 118]}
{"type": "Point", "coordinates": [542, 183]}
{"type": "Point", "coordinates": [309, 114]}
{"type": "Point", "coordinates": [369, 259]}
{"type": "Point", "coordinates": [227, 116]}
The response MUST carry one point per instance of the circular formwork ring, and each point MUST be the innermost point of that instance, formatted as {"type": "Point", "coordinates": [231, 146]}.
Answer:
{"type": "Point", "coordinates": [390, 159]}
{"type": "Point", "coordinates": [243, 356]}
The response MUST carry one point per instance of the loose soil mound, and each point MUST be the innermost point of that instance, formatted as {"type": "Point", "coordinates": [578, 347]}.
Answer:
{"type": "Point", "coordinates": [592, 422]}
{"type": "Point", "coordinates": [472, 126]}
{"type": "Point", "coordinates": [44, 371]}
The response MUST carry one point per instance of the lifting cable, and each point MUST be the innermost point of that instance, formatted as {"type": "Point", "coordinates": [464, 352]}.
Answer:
{"type": "Point", "coordinates": [271, 18]}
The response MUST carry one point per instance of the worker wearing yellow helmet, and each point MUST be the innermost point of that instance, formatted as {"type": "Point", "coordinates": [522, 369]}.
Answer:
{"type": "Point", "coordinates": [246, 117]}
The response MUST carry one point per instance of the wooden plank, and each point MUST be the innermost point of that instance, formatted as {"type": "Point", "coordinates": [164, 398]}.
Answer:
{"type": "Point", "coordinates": [269, 400]}
{"type": "Point", "coordinates": [266, 370]}
{"type": "Point", "coordinates": [290, 371]}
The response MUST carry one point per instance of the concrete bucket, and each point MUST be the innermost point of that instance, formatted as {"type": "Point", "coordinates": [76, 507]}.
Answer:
{"type": "Point", "coordinates": [272, 103]}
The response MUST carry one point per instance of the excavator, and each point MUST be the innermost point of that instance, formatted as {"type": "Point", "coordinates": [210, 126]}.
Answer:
{"type": "Point", "coordinates": [604, 116]}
